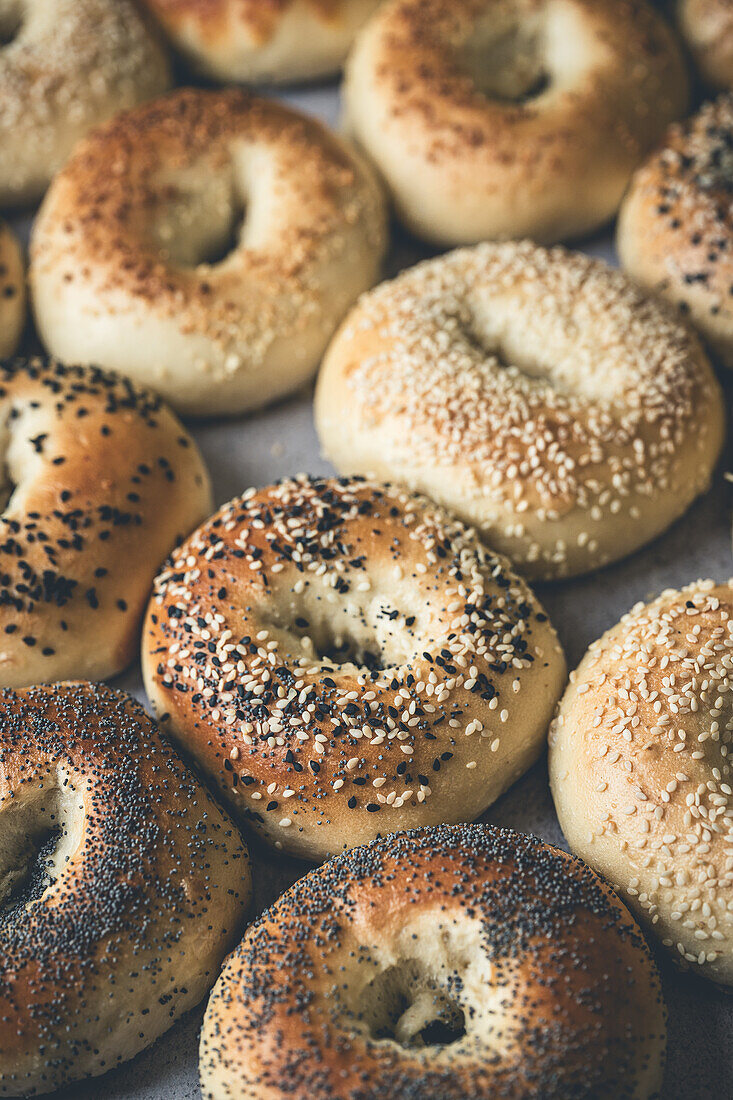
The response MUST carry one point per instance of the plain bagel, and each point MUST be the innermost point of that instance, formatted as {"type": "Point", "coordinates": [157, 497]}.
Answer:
{"type": "Point", "coordinates": [675, 230]}
{"type": "Point", "coordinates": [247, 40]}
{"type": "Point", "coordinates": [509, 118]}
{"type": "Point", "coordinates": [122, 885]}
{"type": "Point", "coordinates": [12, 292]}
{"type": "Point", "coordinates": [641, 773]}
{"type": "Point", "coordinates": [65, 66]}
{"type": "Point", "coordinates": [538, 394]}
{"type": "Point", "coordinates": [100, 482]}
{"type": "Point", "coordinates": [216, 261]}
{"type": "Point", "coordinates": [344, 659]}
{"type": "Point", "coordinates": [447, 963]}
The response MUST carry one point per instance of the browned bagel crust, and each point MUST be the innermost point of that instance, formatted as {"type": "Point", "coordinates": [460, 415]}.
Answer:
{"type": "Point", "coordinates": [560, 997]}
{"type": "Point", "coordinates": [103, 481]}
{"type": "Point", "coordinates": [343, 658]}
{"type": "Point", "coordinates": [436, 93]}
{"type": "Point", "coordinates": [707, 27]}
{"type": "Point", "coordinates": [675, 230]}
{"type": "Point", "coordinates": [107, 942]}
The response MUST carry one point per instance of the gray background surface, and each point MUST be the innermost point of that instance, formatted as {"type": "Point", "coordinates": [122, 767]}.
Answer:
{"type": "Point", "coordinates": [281, 440]}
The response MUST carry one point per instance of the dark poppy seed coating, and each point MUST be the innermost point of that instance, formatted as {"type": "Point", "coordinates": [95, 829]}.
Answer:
{"type": "Point", "coordinates": [455, 962]}
{"type": "Point", "coordinates": [344, 659]}
{"type": "Point", "coordinates": [122, 885]}
{"type": "Point", "coordinates": [100, 482]}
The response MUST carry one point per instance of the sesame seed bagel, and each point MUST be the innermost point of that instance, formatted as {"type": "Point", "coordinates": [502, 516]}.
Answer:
{"type": "Point", "coordinates": [127, 269]}
{"type": "Point", "coordinates": [278, 42]}
{"type": "Point", "coordinates": [492, 119]}
{"type": "Point", "coordinates": [12, 292]}
{"type": "Point", "coordinates": [707, 28]}
{"type": "Point", "coordinates": [538, 394]}
{"type": "Point", "coordinates": [122, 885]}
{"type": "Point", "coordinates": [343, 659]}
{"type": "Point", "coordinates": [100, 482]}
{"type": "Point", "coordinates": [454, 962]}
{"type": "Point", "coordinates": [640, 771]}
{"type": "Point", "coordinates": [675, 231]}
{"type": "Point", "coordinates": [65, 66]}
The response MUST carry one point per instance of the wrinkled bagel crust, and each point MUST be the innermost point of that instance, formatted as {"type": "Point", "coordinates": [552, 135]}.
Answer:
{"type": "Point", "coordinates": [101, 482]}
{"type": "Point", "coordinates": [536, 393]}
{"type": "Point", "coordinates": [359, 981]}
{"type": "Point", "coordinates": [68, 65]}
{"type": "Point", "coordinates": [640, 769]}
{"type": "Point", "coordinates": [122, 885]}
{"type": "Point", "coordinates": [216, 259]}
{"type": "Point", "coordinates": [344, 659]}
{"type": "Point", "coordinates": [274, 42]}
{"type": "Point", "coordinates": [492, 119]}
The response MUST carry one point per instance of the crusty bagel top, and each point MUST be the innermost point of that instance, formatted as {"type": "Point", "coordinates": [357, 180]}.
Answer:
{"type": "Point", "coordinates": [559, 994]}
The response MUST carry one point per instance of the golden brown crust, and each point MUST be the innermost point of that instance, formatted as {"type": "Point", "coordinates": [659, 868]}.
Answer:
{"type": "Point", "coordinates": [260, 19]}
{"type": "Point", "coordinates": [675, 234]}
{"type": "Point", "coordinates": [640, 769]}
{"type": "Point", "coordinates": [536, 393]}
{"type": "Point", "coordinates": [128, 250]}
{"type": "Point", "coordinates": [343, 659]}
{"type": "Point", "coordinates": [707, 27]}
{"type": "Point", "coordinates": [101, 480]}
{"type": "Point", "coordinates": [122, 885]}
{"type": "Point", "coordinates": [496, 119]}
{"type": "Point", "coordinates": [337, 989]}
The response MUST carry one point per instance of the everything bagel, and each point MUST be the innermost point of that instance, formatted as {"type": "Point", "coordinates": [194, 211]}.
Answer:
{"type": "Point", "coordinates": [101, 481]}
{"type": "Point", "coordinates": [343, 659]}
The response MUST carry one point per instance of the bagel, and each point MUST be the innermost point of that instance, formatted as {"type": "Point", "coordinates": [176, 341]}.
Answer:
{"type": "Point", "coordinates": [122, 885]}
{"type": "Point", "coordinates": [707, 28]}
{"type": "Point", "coordinates": [278, 42]}
{"type": "Point", "coordinates": [126, 267]}
{"type": "Point", "coordinates": [535, 393]}
{"type": "Point", "coordinates": [65, 66]}
{"type": "Point", "coordinates": [675, 230]}
{"type": "Point", "coordinates": [492, 119]}
{"type": "Point", "coordinates": [640, 770]}
{"type": "Point", "coordinates": [343, 659]}
{"type": "Point", "coordinates": [12, 292]}
{"type": "Point", "coordinates": [453, 962]}
{"type": "Point", "coordinates": [100, 482]}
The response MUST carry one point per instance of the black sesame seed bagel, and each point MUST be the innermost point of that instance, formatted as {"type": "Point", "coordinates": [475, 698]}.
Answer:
{"type": "Point", "coordinates": [278, 41]}
{"type": "Point", "coordinates": [100, 482]}
{"type": "Point", "coordinates": [675, 230]}
{"type": "Point", "coordinates": [641, 770]}
{"type": "Point", "coordinates": [492, 119]}
{"type": "Point", "coordinates": [343, 659]}
{"type": "Point", "coordinates": [707, 28]}
{"type": "Point", "coordinates": [455, 962]}
{"type": "Point", "coordinates": [217, 259]}
{"type": "Point", "coordinates": [65, 66]}
{"type": "Point", "coordinates": [12, 292]}
{"type": "Point", "coordinates": [538, 394]}
{"type": "Point", "coordinates": [122, 885]}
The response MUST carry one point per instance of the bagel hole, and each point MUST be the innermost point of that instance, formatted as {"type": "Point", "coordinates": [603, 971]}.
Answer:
{"type": "Point", "coordinates": [506, 63]}
{"type": "Point", "coordinates": [30, 838]}
{"type": "Point", "coordinates": [11, 20]}
{"type": "Point", "coordinates": [335, 647]}
{"type": "Point", "coordinates": [224, 239]}
{"type": "Point", "coordinates": [404, 1005]}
